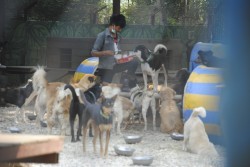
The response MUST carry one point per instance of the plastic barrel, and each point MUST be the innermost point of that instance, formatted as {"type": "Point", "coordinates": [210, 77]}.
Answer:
{"type": "Point", "coordinates": [88, 66]}
{"type": "Point", "coordinates": [203, 89]}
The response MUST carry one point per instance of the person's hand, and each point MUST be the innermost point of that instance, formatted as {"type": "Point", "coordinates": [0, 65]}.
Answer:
{"type": "Point", "coordinates": [108, 53]}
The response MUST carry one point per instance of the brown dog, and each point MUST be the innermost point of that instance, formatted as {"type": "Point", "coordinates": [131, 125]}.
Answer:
{"type": "Point", "coordinates": [59, 107]}
{"type": "Point", "coordinates": [170, 115]}
{"type": "Point", "coordinates": [86, 82]}
{"type": "Point", "coordinates": [100, 117]}
{"type": "Point", "coordinates": [47, 94]}
{"type": "Point", "coordinates": [59, 110]}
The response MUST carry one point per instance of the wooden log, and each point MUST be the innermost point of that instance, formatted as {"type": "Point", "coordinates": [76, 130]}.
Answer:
{"type": "Point", "coordinates": [30, 148]}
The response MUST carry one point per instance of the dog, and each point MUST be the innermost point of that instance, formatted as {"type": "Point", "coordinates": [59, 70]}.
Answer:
{"type": "Point", "coordinates": [141, 101]}
{"type": "Point", "coordinates": [77, 107]}
{"type": "Point", "coordinates": [181, 77]}
{"type": "Point", "coordinates": [86, 82]}
{"type": "Point", "coordinates": [46, 93]}
{"type": "Point", "coordinates": [99, 115]}
{"type": "Point", "coordinates": [17, 96]}
{"type": "Point", "coordinates": [169, 112]}
{"type": "Point", "coordinates": [152, 62]}
{"type": "Point", "coordinates": [123, 107]}
{"type": "Point", "coordinates": [208, 59]}
{"type": "Point", "coordinates": [58, 109]}
{"type": "Point", "coordinates": [195, 137]}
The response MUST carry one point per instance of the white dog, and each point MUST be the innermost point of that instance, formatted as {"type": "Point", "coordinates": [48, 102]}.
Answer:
{"type": "Point", "coordinates": [123, 108]}
{"type": "Point", "coordinates": [151, 63]}
{"type": "Point", "coordinates": [195, 137]}
{"type": "Point", "coordinates": [142, 100]}
{"type": "Point", "coordinates": [46, 92]}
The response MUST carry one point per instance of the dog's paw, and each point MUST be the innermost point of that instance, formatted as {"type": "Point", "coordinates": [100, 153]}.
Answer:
{"type": "Point", "coordinates": [73, 140]}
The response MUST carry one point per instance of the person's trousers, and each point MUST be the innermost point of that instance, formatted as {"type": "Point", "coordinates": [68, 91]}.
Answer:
{"type": "Point", "coordinates": [108, 74]}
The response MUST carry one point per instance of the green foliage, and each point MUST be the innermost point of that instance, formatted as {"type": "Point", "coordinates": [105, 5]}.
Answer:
{"type": "Point", "coordinates": [136, 11]}
{"type": "Point", "coordinates": [49, 10]}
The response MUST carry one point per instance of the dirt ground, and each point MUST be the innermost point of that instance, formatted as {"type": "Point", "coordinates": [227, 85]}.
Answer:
{"type": "Point", "coordinates": [166, 151]}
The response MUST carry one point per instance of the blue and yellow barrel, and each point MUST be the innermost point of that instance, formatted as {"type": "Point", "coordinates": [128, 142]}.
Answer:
{"type": "Point", "coordinates": [88, 66]}
{"type": "Point", "coordinates": [203, 89]}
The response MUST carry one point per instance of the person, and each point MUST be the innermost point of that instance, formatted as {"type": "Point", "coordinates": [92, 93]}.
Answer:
{"type": "Point", "coordinates": [107, 44]}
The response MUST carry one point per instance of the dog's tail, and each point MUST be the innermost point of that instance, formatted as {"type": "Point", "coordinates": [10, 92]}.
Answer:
{"type": "Point", "coordinates": [160, 48]}
{"type": "Point", "coordinates": [199, 111]}
{"type": "Point", "coordinates": [39, 78]}
{"type": "Point", "coordinates": [72, 89]}
{"type": "Point", "coordinates": [84, 99]}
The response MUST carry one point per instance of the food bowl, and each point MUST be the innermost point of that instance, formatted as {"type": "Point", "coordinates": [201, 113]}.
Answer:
{"type": "Point", "coordinates": [123, 150]}
{"type": "Point", "coordinates": [124, 56]}
{"type": "Point", "coordinates": [177, 136]}
{"type": "Point", "coordinates": [132, 139]}
{"type": "Point", "coordinates": [145, 160]}
{"type": "Point", "coordinates": [14, 130]}
{"type": "Point", "coordinates": [32, 117]}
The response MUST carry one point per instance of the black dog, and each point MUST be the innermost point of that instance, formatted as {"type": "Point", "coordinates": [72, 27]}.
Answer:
{"type": "Point", "coordinates": [76, 108]}
{"type": "Point", "coordinates": [208, 59]}
{"type": "Point", "coordinates": [181, 77]}
{"type": "Point", "coordinates": [152, 62]}
{"type": "Point", "coordinates": [16, 96]}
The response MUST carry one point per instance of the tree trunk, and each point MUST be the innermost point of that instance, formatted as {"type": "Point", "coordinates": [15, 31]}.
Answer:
{"type": "Point", "coordinates": [163, 12]}
{"type": "Point", "coordinates": [116, 6]}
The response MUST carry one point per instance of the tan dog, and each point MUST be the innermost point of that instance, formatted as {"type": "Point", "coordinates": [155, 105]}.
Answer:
{"type": "Point", "coordinates": [47, 92]}
{"type": "Point", "coordinates": [169, 112]}
{"type": "Point", "coordinates": [195, 137]}
{"type": "Point", "coordinates": [123, 107]}
{"type": "Point", "coordinates": [58, 109]}
{"type": "Point", "coordinates": [86, 82]}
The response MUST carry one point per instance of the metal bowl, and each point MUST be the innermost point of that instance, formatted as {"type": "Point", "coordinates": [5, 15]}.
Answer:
{"type": "Point", "coordinates": [143, 160]}
{"type": "Point", "coordinates": [14, 130]}
{"type": "Point", "coordinates": [123, 150]}
{"type": "Point", "coordinates": [32, 117]}
{"type": "Point", "coordinates": [177, 136]}
{"type": "Point", "coordinates": [132, 139]}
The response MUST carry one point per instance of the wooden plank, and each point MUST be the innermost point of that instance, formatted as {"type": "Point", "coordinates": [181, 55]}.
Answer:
{"type": "Point", "coordinates": [30, 148]}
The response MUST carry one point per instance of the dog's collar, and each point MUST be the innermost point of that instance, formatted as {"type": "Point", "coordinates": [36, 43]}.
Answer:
{"type": "Point", "coordinates": [103, 115]}
{"type": "Point", "coordinates": [150, 57]}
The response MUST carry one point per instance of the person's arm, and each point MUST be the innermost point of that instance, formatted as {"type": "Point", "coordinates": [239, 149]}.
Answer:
{"type": "Point", "coordinates": [102, 53]}
{"type": "Point", "coordinates": [98, 45]}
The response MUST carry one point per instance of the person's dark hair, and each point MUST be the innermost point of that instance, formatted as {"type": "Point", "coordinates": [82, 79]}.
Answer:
{"type": "Point", "coordinates": [118, 20]}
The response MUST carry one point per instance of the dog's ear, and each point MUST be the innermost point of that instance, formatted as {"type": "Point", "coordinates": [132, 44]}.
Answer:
{"type": "Point", "coordinates": [105, 83]}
